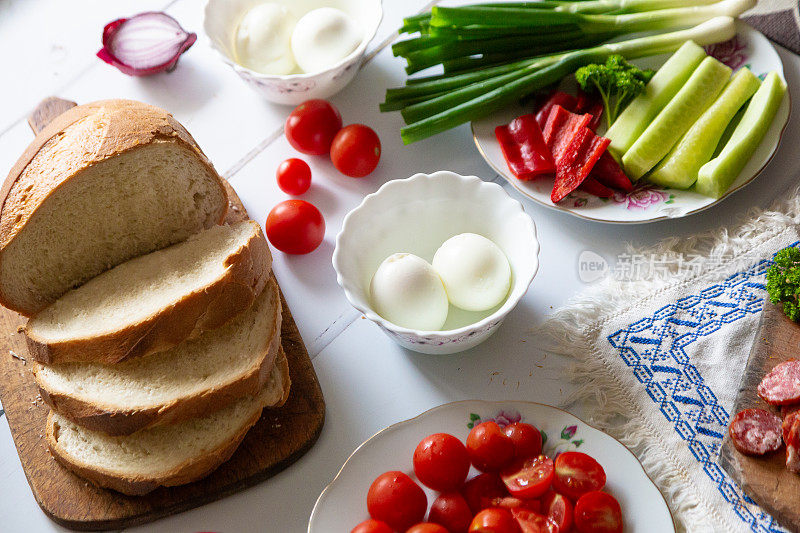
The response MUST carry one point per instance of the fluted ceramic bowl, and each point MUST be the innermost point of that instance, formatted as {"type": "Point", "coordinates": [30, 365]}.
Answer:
{"type": "Point", "coordinates": [417, 215]}
{"type": "Point", "coordinates": [222, 18]}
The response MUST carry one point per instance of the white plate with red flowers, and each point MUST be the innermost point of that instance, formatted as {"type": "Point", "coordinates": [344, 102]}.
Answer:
{"type": "Point", "coordinates": [648, 202]}
{"type": "Point", "coordinates": [342, 505]}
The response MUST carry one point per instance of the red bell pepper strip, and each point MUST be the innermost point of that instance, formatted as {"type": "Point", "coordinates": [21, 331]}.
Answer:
{"type": "Point", "coordinates": [596, 110]}
{"type": "Point", "coordinates": [608, 172]}
{"type": "Point", "coordinates": [587, 103]}
{"type": "Point", "coordinates": [592, 186]}
{"type": "Point", "coordinates": [576, 162]}
{"type": "Point", "coordinates": [567, 101]}
{"type": "Point", "coordinates": [524, 148]}
{"type": "Point", "coordinates": [561, 127]}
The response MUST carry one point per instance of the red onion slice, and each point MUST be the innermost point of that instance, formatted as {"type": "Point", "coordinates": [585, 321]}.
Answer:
{"type": "Point", "coordinates": [145, 44]}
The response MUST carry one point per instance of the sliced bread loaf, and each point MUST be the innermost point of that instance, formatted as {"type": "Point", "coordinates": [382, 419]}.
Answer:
{"type": "Point", "coordinates": [167, 455]}
{"type": "Point", "coordinates": [196, 377]}
{"type": "Point", "coordinates": [103, 183]}
{"type": "Point", "coordinates": [156, 301]}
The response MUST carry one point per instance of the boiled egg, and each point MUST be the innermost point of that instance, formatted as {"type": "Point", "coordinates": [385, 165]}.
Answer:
{"type": "Point", "coordinates": [263, 39]}
{"type": "Point", "coordinates": [323, 37]}
{"type": "Point", "coordinates": [406, 291]}
{"type": "Point", "coordinates": [474, 270]}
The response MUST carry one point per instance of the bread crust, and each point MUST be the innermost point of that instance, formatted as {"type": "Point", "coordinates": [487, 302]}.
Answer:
{"type": "Point", "coordinates": [116, 421]}
{"type": "Point", "coordinates": [191, 470]}
{"type": "Point", "coordinates": [121, 126]}
{"type": "Point", "coordinates": [206, 308]}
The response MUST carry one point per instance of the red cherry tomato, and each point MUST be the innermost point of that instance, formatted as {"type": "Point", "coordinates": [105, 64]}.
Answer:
{"type": "Point", "coordinates": [577, 473]}
{"type": "Point", "coordinates": [559, 509]}
{"type": "Point", "coordinates": [511, 503]}
{"type": "Point", "coordinates": [356, 150]}
{"type": "Point", "coordinates": [427, 527]}
{"type": "Point", "coordinates": [489, 448]}
{"type": "Point", "coordinates": [372, 526]}
{"type": "Point", "coordinates": [395, 499]}
{"type": "Point", "coordinates": [526, 438]}
{"type": "Point", "coordinates": [531, 522]}
{"type": "Point", "coordinates": [494, 521]}
{"type": "Point", "coordinates": [441, 462]}
{"type": "Point", "coordinates": [528, 478]}
{"type": "Point", "coordinates": [451, 510]}
{"type": "Point", "coordinates": [311, 127]}
{"type": "Point", "coordinates": [295, 227]}
{"type": "Point", "coordinates": [598, 512]}
{"type": "Point", "coordinates": [294, 176]}
{"type": "Point", "coordinates": [482, 489]}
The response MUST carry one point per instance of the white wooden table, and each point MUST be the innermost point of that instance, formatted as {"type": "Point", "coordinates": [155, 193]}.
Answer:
{"type": "Point", "coordinates": [47, 48]}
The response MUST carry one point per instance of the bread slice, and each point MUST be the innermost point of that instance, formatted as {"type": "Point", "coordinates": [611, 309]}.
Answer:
{"type": "Point", "coordinates": [103, 183]}
{"type": "Point", "coordinates": [163, 455]}
{"type": "Point", "coordinates": [156, 301]}
{"type": "Point", "coordinates": [196, 377]}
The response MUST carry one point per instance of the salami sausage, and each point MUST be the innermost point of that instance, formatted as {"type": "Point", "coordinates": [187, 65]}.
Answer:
{"type": "Point", "coordinates": [755, 432]}
{"type": "Point", "coordinates": [791, 435]}
{"type": "Point", "coordinates": [786, 410]}
{"type": "Point", "coordinates": [782, 385]}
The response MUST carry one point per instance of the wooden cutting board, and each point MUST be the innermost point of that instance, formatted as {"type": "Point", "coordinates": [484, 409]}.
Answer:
{"type": "Point", "coordinates": [279, 438]}
{"type": "Point", "coordinates": [765, 479]}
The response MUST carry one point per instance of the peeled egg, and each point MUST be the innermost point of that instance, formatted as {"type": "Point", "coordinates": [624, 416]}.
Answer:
{"type": "Point", "coordinates": [263, 39]}
{"type": "Point", "coordinates": [474, 270]}
{"type": "Point", "coordinates": [323, 37]}
{"type": "Point", "coordinates": [406, 291]}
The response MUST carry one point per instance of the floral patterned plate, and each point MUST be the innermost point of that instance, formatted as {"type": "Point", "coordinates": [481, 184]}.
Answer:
{"type": "Point", "coordinates": [342, 504]}
{"type": "Point", "coordinates": [647, 202]}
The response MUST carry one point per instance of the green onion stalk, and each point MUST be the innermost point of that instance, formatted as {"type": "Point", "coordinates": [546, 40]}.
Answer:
{"type": "Point", "coordinates": [488, 95]}
{"type": "Point", "coordinates": [475, 36]}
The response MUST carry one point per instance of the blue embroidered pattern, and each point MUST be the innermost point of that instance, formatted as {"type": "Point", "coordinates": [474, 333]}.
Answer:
{"type": "Point", "coordinates": [655, 349]}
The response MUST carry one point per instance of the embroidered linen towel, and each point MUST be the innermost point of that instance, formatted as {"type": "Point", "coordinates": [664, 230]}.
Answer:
{"type": "Point", "coordinates": [661, 348]}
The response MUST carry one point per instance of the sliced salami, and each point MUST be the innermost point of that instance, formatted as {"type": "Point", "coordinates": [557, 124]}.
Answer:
{"type": "Point", "coordinates": [756, 432]}
{"type": "Point", "coordinates": [782, 385]}
{"type": "Point", "coordinates": [791, 434]}
{"type": "Point", "coordinates": [788, 409]}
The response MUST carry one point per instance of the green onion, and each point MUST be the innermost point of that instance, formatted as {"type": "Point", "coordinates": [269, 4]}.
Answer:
{"type": "Point", "coordinates": [442, 117]}
{"type": "Point", "coordinates": [421, 22]}
{"type": "Point", "coordinates": [626, 23]}
{"type": "Point", "coordinates": [542, 44]}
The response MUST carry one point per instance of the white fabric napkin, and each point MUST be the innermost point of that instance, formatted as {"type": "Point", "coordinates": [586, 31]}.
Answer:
{"type": "Point", "coordinates": [661, 347]}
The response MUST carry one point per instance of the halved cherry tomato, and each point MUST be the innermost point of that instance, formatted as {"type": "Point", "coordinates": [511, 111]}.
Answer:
{"type": "Point", "coordinates": [511, 503]}
{"type": "Point", "coordinates": [482, 489]}
{"type": "Point", "coordinates": [528, 478]}
{"type": "Point", "coordinates": [395, 499]}
{"type": "Point", "coordinates": [489, 448]}
{"type": "Point", "coordinates": [311, 127]}
{"type": "Point", "coordinates": [452, 511]}
{"type": "Point", "coordinates": [356, 150]}
{"type": "Point", "coordinates": [598, 512]}
{"type": "Point", "coordinates": [577, 473]}
{"type": "Point", "coordinates": [526, 438]}
{"type": "Point", "coordinates": [294, 176]}
{"type": "Point", "coordinates": [559, 509]}
{"type": "Point", "coordinates": [295, 227]}
{"type": "Point", "coordinates": [372, 526]}
{"type": "Point", "coordinates": [441, 462]}
{"type": "Point", "coordinates": [531, 522]}
{"type": "Point", "coordinates": [427, 527]}
{"type": "Point", "coordinates": [494, 521]}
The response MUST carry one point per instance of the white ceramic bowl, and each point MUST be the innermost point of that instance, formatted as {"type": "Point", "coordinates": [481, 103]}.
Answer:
{"type": "Point", "coordinates": [220, 22]}
{"type": "Point", "coordinates": [417, 215]}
